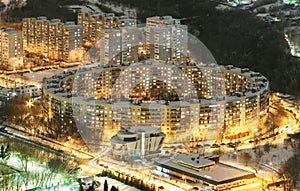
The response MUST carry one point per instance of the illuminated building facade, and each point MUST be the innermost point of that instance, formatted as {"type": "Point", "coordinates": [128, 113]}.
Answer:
{"type": "Point", "coordinates": [107, 98]}
{"type": "Point", "coordinates": [137, 142]}
{"type": "Point", "coordinates": [94, 24]}
{"type": "Point", "coordinates": [55, 39]}
{"type": "Point", "coordinates": [28, 33]}
{"type": "Point", "coordinates": [72, 42]}
{"type": "Point", "coordinates": [31, 91]}
{"type": "Point", "coordinates": [166, 39]}
{"type": "Point", "coordinates": [11, 49]}
{"type": "Point", "coordinates": [118, 46]}
{"type": "Point", "coordinates": [42, 33]}
{"type": "Point", "coordinates": [52, 39]}
{"type": "Point", "coordinates": [207, 171]}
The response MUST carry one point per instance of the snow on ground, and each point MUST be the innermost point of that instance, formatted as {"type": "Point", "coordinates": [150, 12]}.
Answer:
{"type": "Point", "coordinates": [85, 9]}
{"type": "Point", "coordinates": [277, 156]}
{"type": "Point", "coordinates": [130, 12]}
{"type": "Point", "coordinates": [38, 76]}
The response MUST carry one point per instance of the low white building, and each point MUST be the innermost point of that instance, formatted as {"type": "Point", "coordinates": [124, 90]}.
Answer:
{"type": "Point", "coordinates": [31, 91]}
{"type": "Point", "coordinates": [137, 142]}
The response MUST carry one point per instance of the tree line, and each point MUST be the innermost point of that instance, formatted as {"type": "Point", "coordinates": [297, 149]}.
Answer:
{"type": "Point", "coordinates": [128, 180]}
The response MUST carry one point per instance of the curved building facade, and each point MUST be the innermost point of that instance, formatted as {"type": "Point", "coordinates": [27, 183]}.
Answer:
{"type": "Point", "coordinates": [137, 142]}
{"type": "Point", "coordinates": [186, 100]}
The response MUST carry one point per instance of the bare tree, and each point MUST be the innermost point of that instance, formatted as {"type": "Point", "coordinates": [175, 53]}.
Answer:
{"type": "Point", "coordinates": [290, 171]}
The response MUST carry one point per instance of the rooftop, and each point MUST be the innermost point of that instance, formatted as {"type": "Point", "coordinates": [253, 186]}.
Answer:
{"type": "Point", "coordinates": [147, 129]}
{"type": "Point", "coordinates": [9, 30]}
{"type": "Point", "coordinates": [192, 161]}
{"type": "Point", "coordinates": [133, 132]}
{"type": "Point", "coordinates": [214, 174]}
{"type": "Point", "coordinates": [258, 83]}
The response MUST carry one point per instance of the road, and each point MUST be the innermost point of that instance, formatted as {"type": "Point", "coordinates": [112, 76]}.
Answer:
{"type": "Point", "coordinates": [30, 142]}
{"type": "Point", "coordinates": [53, 144]}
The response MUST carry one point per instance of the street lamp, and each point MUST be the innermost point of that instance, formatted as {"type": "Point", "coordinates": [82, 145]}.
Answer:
{"type": "Point", "coordinates": [29, 103]}
{"type": "Point", "coordinates": [184, 178]}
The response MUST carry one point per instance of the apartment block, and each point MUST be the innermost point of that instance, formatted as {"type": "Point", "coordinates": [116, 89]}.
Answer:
{"type": "Point", "coordinates": [41, 34]}
{"type": "Point", "coordinates": [52, 38]}
{"type": "Point", "coordinates": [55, 39]}
{"type": "Point", "coordinates": [28, 34]}
{"type": "Point", "coordinates": [11, 49]}
{"type": "Point", "coordinates": [166, 39]}
{"type": "Point", "coordinates": [93, 25]}
{"type": "Point", "coordinates": [72, 42]}
{"type": "Point", "coordinates": [119, 45]}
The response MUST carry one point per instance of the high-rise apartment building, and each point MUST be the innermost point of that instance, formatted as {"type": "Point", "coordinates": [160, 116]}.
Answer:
{"type": "Point", "coordinates": [72, 42]}
{"type": "Point", "coordinates": [41, 35]}
{"type": "Point", "coordinates": [11, 49]}
{"type": "Point", "coordinates": [35, 32]}
{"type": "Point", "coordinates": [93, 25]}
{"type": "Point", "coordinates": [166, 39]}
{"type": "Point", "coordinates": [55, 39]}
{"type": "Point", "coordinates": [52, 39]}
{"type": "Point", "coordinates": [28, 34]}
{"type": "Point", "coordinates": [119, 45]}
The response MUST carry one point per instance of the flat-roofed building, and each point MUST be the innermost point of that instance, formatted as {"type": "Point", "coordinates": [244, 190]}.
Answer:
{"type": "Point", "coordinates": [55, 39]}
{"type": "Point", "coordinates": [166, 39]}
{"type": "Point", "coordinates": [11, 49]}
{"type": "Point", "coordinates": [94, 23]}
{"type": "Point", "coordinates": [109, 97]}
{"type": "Point", "coordinates": [31, 91]}
{"type": "Point", "coordinates": [52, 39]}
{"type": "Point", "coordinates": [72, 42]}
{"type": "Point", "coordinates": [28, 33]}
{"type": "Point", "coordinates": [205, 171]}
{"type": "Point", "coordinates": [42, 35]}
{"type": "Point", "coordinates": [137, 142]}
{"type": "Point", "coordinates": [119, 45]}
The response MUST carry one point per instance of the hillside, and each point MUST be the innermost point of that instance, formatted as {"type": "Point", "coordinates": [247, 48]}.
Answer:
{"type": "Point", "coordinates": [34, 8]}
{"type": "Point", "coordinates": [234, 37]}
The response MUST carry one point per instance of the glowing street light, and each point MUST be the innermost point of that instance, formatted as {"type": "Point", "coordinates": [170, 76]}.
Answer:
{"type": "Point", "coordinates": [184, 178]}
{"type": "Point", "coordinates": [29, 103]}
